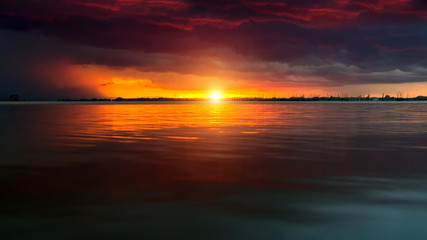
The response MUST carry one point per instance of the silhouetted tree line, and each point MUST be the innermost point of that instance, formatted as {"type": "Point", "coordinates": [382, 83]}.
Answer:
{"type": "Point", "coordinates": [290, 99]}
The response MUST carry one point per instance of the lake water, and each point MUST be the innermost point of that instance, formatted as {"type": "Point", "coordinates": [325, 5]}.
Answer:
{"type": "Point", "coordinates": [213, 171]}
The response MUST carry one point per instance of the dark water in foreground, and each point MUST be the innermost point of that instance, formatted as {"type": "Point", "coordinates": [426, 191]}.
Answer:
{"type": "Point", "coordinates": [214, 171]}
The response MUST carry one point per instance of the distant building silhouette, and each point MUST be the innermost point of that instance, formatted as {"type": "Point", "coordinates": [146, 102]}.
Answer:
{"type": "Point", "coordinates": [14, 97]}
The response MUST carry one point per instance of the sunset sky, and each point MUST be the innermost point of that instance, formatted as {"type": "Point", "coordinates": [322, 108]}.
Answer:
{"type": "Point", "coordinates": [52, 49]}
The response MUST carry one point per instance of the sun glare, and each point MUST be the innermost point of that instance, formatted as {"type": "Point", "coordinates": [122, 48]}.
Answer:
{"type": "Point", "coordinates": [216, 96]}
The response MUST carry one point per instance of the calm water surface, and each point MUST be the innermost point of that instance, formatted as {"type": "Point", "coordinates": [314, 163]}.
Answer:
{"type": "Point", "coordinates": [214, 171]}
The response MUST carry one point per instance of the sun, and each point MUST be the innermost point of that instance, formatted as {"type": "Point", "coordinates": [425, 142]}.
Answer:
{"type": "Point", "coordinates": [216, 96]}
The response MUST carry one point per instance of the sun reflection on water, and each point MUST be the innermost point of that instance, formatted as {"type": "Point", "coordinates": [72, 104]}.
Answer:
{"type": "Point", "coordinates": [318, 165]}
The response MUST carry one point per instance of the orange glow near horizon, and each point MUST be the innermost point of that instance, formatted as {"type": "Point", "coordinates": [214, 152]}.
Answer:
{"type": "Point", "coordinates": [131, 83]}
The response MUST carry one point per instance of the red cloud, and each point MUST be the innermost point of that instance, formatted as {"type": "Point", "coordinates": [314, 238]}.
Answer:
{"type": "Point", "coordinates": [186, 15]}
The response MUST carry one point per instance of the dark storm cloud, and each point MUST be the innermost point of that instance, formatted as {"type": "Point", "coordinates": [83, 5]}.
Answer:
{"type": "Point", "coordinates": [338, 41]}
{"type": "Point", "coordinates": [31, 65]}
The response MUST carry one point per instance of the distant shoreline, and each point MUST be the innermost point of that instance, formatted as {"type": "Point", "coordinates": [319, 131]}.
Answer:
{"type": "Point", "coordinates": [197, 102]}
{"type": "Point", "coordinates": [387, 98]}
{"type": "Point", "coordinates": [301, 98]}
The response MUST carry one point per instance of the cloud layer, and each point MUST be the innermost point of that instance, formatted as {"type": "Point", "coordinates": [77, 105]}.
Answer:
{"type": "Point", "coordinates": [247, 44]}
